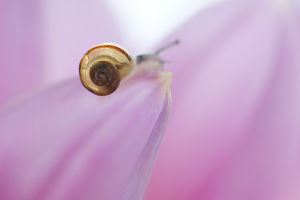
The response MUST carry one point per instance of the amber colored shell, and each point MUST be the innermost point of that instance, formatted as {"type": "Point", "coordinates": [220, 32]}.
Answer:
{"type": "Point", "coordinates": [103, 67]}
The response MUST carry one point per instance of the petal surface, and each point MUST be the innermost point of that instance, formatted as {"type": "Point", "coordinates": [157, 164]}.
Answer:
{"type": "Point", "coordinates": [66, 143]}
{"type": "Point", "coordinates": [234, 130]}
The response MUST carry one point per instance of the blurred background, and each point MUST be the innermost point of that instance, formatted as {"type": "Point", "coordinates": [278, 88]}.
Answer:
{"type": "Point", "coordinates": [235, 119]}
{"type": "Point", "coordinates": [146, 23]}
{"type": "Point", "coordinates": [50, 37]}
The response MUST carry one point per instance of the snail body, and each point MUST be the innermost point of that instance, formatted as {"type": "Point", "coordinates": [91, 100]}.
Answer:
{"type": "Point", "coordinates": [103, 67]}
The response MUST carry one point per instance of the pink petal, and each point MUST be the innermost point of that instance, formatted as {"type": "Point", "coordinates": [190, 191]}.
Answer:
{"type": "Point", "coordinates": [66, 143]}
{"type": "Point", "coordinates": [42, 41]}
{"type": "Point", "coordinates": [234, 130]}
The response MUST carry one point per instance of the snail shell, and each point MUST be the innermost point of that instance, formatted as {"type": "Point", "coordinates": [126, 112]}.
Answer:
{"type": "Point", "coordinates": [103, 67]}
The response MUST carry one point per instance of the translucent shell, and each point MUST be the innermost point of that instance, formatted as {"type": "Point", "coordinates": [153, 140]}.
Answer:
{"type": "Point", "coordinates": [103, 67]}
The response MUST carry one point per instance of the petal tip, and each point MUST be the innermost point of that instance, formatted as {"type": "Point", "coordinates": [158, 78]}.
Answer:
{"type": "Point", "coordinates": [165, 79]}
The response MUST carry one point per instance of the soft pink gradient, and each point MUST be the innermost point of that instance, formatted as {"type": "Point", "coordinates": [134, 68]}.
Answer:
{"type": "Point", "coordinates": [21, 46]}
{"type": "Point", "coordinates": [42, 41]}
{"type": "Point", "coordinates": [66, 143]}
{"type": "Point", "coordinates": [71, 28]}
{"type": "Point", "coordinates": [234, 129]}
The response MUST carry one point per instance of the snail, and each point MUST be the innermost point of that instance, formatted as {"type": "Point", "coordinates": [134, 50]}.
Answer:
{"type": "Point", "coordinates": [103, 67]}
